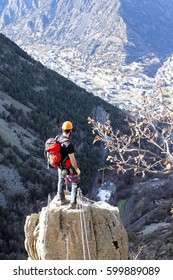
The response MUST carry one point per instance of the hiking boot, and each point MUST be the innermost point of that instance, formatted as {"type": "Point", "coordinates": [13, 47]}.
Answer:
{"type": "Point", "coordinates": [64, 201]}
{"type": "Point", "coordinates": [72, 206]}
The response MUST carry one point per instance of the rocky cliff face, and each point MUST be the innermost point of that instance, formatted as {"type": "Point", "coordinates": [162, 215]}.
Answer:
{"type": "Point", "coordinates": [148, 219]}
{"type": "Point", "coordinates": [90, 232]}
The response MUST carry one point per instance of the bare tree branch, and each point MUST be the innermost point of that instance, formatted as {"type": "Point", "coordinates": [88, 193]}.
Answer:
{"type": "Point", "coordinates": [148, 145]}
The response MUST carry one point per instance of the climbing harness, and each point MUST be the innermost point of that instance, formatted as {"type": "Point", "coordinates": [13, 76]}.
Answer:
{"type": "Point", "coordinates": [71, 178]}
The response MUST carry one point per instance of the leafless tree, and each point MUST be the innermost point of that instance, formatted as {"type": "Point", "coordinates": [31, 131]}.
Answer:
{"type": "Point", "coordinates": [148, 144]}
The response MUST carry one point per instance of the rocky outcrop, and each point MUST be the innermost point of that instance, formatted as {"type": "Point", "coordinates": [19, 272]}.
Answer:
{"type": "Point", "coordinates": [94, 231]}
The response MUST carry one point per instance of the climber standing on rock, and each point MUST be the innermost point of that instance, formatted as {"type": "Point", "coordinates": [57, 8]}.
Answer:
{"type": "Point", "coordinates": [68, 166]}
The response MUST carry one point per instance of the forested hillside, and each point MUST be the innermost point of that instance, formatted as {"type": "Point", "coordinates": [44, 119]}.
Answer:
{"type": "Point", "coordinates": [34, 101]}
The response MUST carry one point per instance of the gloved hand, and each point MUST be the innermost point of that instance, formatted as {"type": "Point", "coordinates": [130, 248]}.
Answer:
{"type": "Point", "coordinates": [78, 171]}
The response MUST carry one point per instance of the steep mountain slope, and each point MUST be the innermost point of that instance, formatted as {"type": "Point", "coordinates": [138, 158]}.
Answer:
{"type": "Point", "coordinates": [34, 101]}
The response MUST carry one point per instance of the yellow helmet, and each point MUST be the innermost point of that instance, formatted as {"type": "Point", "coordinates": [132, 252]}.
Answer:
{"type": "Point", "coordinates": [67, 125]}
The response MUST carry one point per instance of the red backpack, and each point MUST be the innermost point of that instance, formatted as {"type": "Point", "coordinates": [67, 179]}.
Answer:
{"type": "Point", "coordinates": [53, 153]}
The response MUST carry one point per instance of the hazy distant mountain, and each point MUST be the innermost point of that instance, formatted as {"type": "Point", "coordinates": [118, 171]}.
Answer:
{"type": "Point", "coordinates": [94, 27]}
{"type": "Point", "coordinates": [69, 24]}
{"type": "Point", "coordinates": [149, 26]}
{"type": "Point", "coordinates": [100, 45]}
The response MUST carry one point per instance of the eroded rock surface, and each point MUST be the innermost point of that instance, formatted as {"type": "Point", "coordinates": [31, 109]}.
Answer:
{"type": "Point", "coordinates": [94, 231]}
